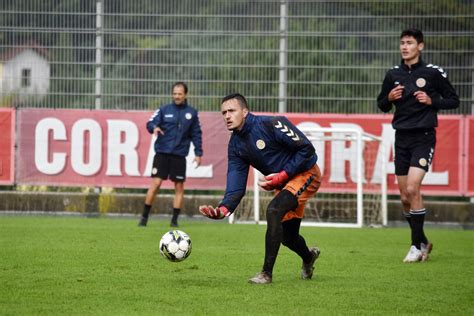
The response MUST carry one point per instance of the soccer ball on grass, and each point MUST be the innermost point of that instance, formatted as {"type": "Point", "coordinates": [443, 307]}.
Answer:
{"type": "Point", "coordinates": [175, 245]}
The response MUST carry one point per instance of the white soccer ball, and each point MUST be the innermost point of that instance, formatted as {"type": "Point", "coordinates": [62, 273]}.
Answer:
{"type": "Point", "coordinates": [175, 245]}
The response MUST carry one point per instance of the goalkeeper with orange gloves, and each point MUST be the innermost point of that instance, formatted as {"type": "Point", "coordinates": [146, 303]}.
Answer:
{"type": "Point", "coordinates": [282, 153]}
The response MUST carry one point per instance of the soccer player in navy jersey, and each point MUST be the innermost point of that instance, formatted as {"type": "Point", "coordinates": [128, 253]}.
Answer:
{"type": "Point", "coordinates": [281, 152]}
{"type": "Point", "coordinates": [175, 126]}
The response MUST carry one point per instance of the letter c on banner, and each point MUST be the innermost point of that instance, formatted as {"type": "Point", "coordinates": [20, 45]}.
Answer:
{"type": "Point", "coordinates": [58, 161]}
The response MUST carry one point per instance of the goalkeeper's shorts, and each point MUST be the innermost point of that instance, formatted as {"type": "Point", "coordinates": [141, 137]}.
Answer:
{"type": "Point", "coordinates": [303, 185]}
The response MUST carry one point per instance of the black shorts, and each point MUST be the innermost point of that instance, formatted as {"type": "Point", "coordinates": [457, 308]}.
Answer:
{"type": "Point", "coordinates": [167, 165]}
{"type": "Point", "coordinates": [414, 148]}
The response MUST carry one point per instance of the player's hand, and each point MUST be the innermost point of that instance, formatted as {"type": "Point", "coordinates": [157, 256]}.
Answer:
{"type": "Point", "coordinates": [214, 212]}
{"type": "Point", "coordinates": [422, 97]}
{"type": "Point", "coordinates": [396, 93]}
{"type": "Point", "coordinates": [197, 161]}
{"type": "Point", "coordinates": [274, 180]}
{"type": "Point", "coordinates": [158, 131]}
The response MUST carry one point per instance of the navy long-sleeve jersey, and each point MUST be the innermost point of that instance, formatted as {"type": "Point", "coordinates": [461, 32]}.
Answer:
{"type": "Point", "coordinates": [180, 125]}
{"type": "Point", "coordinates": [270, 144]}
{"type": "Point", "coordinates": [409, 113]}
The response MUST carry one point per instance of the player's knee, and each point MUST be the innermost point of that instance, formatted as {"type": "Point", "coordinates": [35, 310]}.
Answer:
{"type": "Point", "coordinates": [285, 201]}
{"type": "Point", "coordinates": [272, 214]}
{"type": "Point", "coordinates": [412, 191]}
{"type": "Point", "coordinates": [405, 200]}
{"type": "Point", "coordinates": [153, 189]}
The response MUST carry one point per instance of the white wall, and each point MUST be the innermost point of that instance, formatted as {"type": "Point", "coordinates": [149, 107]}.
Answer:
{"type": "Point", "coordinates": [40, 75]}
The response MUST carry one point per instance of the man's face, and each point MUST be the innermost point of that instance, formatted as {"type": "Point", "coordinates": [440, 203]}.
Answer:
{"type": "Point", "coordinates": [178, 95]}
{"type": "Point", "coordinates": [234, 115]}
{"type": "Point", "coordinates": [409, 48]}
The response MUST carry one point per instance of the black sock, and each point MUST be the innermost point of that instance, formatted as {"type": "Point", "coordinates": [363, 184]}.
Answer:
{"type": "Point", "coordinates": [423, 236]}
{"type": "Point", "coordinates": [294, 241]}
{"type": "Point", "coordinates": [417, 222]}
{"type": "Point", "coordinates": [300, 247]}
{"type": "Point", "coordinates": [282, 203]}
{"type": "Point", "coordinates": [424, 239]}
{"type": "Point", "coordinates": [273, 237]}
{"type": "Point", "coordinates": [176, 211]}
{"type": "Point", "coordinates": [146, 211]}
{"type": "Point", "coordinates": [407, 217]}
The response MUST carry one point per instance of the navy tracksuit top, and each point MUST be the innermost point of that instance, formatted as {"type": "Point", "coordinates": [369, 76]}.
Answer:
{"type": "Point", "coordinates": [270, 144]}
{"type": "Point", "coordinates": [180, 124]}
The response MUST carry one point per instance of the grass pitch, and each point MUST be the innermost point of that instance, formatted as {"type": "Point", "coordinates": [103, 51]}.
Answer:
{"type": "Point", "coordinates": [105, 266]}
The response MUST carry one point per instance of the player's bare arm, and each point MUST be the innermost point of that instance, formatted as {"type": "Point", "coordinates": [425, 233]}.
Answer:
{"type": "Point", "coordinates": [197, 161]}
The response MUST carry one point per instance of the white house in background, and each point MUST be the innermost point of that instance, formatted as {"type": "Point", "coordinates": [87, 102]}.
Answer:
{"type": "Point", "coordinates": [24, 72]}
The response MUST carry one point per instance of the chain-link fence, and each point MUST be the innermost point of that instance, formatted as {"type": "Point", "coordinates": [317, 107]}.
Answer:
{"type": "Point", "coordinates": [294, 56]}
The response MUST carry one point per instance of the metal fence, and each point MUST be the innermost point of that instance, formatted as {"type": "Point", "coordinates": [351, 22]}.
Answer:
{"type": "Point", "coordinates": [294, 56]}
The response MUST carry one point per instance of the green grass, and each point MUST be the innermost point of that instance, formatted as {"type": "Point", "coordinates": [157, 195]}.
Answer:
{"type": "Point", "coordinates": [105, 266]}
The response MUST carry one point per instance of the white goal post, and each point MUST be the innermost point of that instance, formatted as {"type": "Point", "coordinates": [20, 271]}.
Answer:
{"type": "Point", "coordinates": [354, 188]}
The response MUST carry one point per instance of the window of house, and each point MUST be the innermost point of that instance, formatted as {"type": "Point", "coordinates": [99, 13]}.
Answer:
{"type": "Point", "coordinates": [25, 77]}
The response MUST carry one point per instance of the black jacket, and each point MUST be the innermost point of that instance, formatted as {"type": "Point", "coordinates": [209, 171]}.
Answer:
{"type": "Point", "coordinates": [409, 113]}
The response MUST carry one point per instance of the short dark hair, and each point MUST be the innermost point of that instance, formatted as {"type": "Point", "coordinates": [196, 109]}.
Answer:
{"type": "Point", "coordinates": [240, 98]}
{"type": "Point", "coordinates": [180, 83]}
{"type": "Point", "coordinates": [416, 33]}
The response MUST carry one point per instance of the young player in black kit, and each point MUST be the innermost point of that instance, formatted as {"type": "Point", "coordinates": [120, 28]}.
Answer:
{"type": "Point", "coordinates": [418, 91]}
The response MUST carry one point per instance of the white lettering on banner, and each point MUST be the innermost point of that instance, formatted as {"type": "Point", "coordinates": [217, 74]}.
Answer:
{"type": "Point", "coordinates": [149, 159]}
{"type": "Point", "coordinates": [388, 139]}
{"type": "Point", "coordinates": [79, 147]}
{"type": "Point", "coordinates": [116, 148]}
{"type": "Point", "coordinates": [317, 139]}
{"type": "Point", "coordinates": [199, 172]}
{"type": "Point", "coordinates": [344, 153]}
{"type": "Point", "coordinates": [191, 171]}
{"type": "Point", "coordinates": [436, 178]}
{"type": "Point", "coordinates": [58, 161]}
{"type": "Point", "coordinates": [338, 161]}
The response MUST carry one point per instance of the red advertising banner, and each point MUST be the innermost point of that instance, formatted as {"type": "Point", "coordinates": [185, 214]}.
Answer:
{"type": "Point", "coordinates": [107, 148]}
{"type": "Point", "coordinates": [113, 148]}
{"type": "Point", "coordinates": [444, 178]}
{"type": "Point", "coordinates": [469, 156]}
{"type": "Point", "coordinates": [7, 143]}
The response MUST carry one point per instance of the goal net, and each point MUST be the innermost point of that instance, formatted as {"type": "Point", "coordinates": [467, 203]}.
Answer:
{"type": "Point", "coordinates": [353, 191]}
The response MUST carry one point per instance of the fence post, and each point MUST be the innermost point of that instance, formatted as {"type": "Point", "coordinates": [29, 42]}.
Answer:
{"type": "Point", "coordinates": [99, 45]}
{"type": "Point", "coordinates": [283, 56]}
